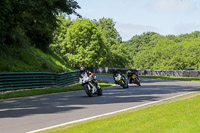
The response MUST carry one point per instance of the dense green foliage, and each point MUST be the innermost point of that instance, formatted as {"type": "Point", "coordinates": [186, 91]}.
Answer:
{"type": "Point", "coordinates": [28, 22]}
{"type": "Point", "coordinates": [85, 42]}
{"type": "Point", "coordinates": [153, 51]}
{"type": "Point", "coordinates": [30, 59]}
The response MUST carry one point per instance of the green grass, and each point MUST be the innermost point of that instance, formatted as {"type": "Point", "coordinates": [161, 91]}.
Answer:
{"type": "Point", "coordinates": [171, 78]}
{"type": "Point", "coordinates": [105, 83]}
{"type": "Point", "coordinates": [42, 91]}
{"type": "Point", "coordinates": [172, 117]}
{"type": "Point", "coordinates": [33, 92]}
{"type": "Point", "coordinates": [30, 59]}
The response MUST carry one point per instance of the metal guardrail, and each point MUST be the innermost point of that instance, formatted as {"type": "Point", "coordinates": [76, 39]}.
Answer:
{"type": "Point", "coordinates": [26, 80]}
{"type": "Point", "coordinates": [67, 78]}
{"type": "Point", "coordinates": [175, 73]}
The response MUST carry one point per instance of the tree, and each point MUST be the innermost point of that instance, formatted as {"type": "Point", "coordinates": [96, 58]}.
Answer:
{"type": "Point", "coordinates": [109, 32]}
{"type": "Point", "coordinates": [165, 52]}
{"type": "Point", "coordinates": [84, 44]}
{"type": "Point", "coordinates": [60, 35]}
{"type": "Point", "coordinates": [116, 55]}
{"type": "Point", "coordinates": [26, 22]}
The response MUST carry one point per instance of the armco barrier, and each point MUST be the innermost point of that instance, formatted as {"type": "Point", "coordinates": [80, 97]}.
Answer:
{"type": "Point", "coordinates": [26, 80]}
{"type": "Point", "coordinates": [67, 78]}
{"type": "Point", "coordinates": [175, 73]}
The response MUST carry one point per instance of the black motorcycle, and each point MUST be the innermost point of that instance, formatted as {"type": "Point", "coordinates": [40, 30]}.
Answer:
{"type": "Point", "coordinates": [133, 77]}
{"type": "Point", "coordinates": [90, 85]}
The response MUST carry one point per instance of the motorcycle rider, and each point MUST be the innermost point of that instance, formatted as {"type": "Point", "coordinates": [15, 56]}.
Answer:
{"type": "Point", "coordinates": [83, 70]}
{"type": "Point", "coordinates": [115, 73]}
{"type": "Point", "coordinates": [130, 73]}
{"type": "Point", "coordinates": [89, 74]}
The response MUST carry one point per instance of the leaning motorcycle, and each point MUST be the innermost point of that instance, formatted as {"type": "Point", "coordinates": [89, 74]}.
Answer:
{"type": "Point", "coordinates": [90, 85]}
{"type": "Point", "coordinates": [133, 78]}
{"type": "Point", "coordinates": [121, 80]}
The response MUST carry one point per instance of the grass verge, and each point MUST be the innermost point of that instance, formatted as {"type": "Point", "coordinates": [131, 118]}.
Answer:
{"type": "Point", "coordinates": [42, 91]}
{"type": "Point", "coordinates": [163, 77]}
{"type": "Point", "coordinates": [171, 78]}
{"type": "Point", "coordinates": [172, 116]}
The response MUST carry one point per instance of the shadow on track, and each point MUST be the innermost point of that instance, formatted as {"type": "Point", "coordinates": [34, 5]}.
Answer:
{"type": "Point", "coordinates": [151, 90]}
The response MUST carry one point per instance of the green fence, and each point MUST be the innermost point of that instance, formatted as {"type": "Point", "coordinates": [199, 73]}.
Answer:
{"type": "Point", "coordinates": [26, 80]}
{"type": "Point", "coordinates": [67, 78]}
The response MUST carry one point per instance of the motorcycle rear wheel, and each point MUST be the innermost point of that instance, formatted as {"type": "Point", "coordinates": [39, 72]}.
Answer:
{"type": "Point", "coordinates": [125, 85]}
{"type": "Point", "coordinates": [99, 92]}
{"type": "Point", "coordinates": [137, 82]}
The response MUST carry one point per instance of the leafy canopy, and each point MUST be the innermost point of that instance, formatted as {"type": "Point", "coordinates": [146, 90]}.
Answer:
{"type": "Point", "coordinates": [153, 51]}
{"type": "Point", "coordinates": [28, 22]}
{"type": "Point", "coordinates": [85, 42]}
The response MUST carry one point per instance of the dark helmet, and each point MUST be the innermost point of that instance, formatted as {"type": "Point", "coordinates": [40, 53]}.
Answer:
{"type": "Point", "coordinates": [82, 69]}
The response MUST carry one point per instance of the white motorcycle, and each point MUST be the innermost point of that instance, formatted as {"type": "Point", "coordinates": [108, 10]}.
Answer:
{"type": "Point", "coordinates": [90, 85]}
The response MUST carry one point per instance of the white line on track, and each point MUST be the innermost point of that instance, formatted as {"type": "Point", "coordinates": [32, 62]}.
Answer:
{"type": "Point", "coordinates": [15, 109]}
{"type": "Point", "coordinates": [93, 117]}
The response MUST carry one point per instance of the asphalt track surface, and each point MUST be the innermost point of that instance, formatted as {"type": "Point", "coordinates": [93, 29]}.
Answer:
{"type": "Point", "coordinates": [20, 115]}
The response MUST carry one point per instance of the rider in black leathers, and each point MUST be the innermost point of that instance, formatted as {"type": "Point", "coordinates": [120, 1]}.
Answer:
{"type": "Point", "coordinates": [131, 72]}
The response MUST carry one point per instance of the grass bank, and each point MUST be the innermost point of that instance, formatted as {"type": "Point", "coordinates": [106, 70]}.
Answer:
{"type": "Point", "coordinates": [30, 59]}
{"type": "Point", "coordinates": [42, 91]}
{"type": "Point", "coordinates": [170, 117]}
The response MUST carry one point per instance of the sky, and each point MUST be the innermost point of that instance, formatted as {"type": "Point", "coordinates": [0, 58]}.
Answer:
{"type": "Point", "coordinates": [134, 17]}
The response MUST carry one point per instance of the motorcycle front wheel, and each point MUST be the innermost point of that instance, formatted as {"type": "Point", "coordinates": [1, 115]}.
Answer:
{"type": "Point", "coordinates": [88, 92]}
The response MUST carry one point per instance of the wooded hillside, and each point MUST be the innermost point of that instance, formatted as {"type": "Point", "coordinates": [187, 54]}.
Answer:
{"type": "Point", "coordinates": [153, 51]}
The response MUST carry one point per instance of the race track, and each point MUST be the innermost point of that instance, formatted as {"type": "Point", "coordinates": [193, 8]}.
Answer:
{"type": "Point", "coordinates": [22, 115]}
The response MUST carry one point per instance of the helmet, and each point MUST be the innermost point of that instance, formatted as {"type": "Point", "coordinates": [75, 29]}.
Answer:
{"type": "Point", "coordinates": [129, 71]}
{"type": "Point", "coordinates": [82, 69]}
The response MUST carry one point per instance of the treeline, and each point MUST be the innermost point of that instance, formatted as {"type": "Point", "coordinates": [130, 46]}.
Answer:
{"type": "Point", "coordinates": [153, 51]}
{"type": "Point", "coordinates": [90, 43]}
{"type": "Point", "coordinates": [84, 42]}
